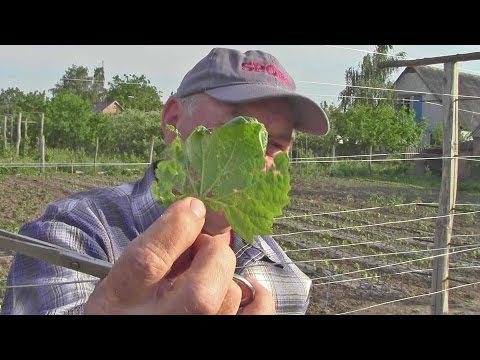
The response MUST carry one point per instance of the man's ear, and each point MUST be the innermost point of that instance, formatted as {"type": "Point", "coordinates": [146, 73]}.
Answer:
{"type": "Point", "coordinates": [170, 116]}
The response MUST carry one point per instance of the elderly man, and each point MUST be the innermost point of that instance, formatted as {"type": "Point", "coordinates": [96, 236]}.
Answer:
{"type": "Point", "coordinates": [179, 260]}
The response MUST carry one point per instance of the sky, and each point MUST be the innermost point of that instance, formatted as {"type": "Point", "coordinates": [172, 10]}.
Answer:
{"type": "Point", "coordinates": [39, 67]}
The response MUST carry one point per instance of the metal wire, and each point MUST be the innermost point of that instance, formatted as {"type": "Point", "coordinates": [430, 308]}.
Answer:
{"type": "Point", "coordinates": [371, 242]}
{"type": "Point", "coordinates": [408, 298]}
{"type": "Point", "coordinates": [397, 273]}
{"type": "Point", "coordinates": [371, 225]}
{"type": "Point", "coordinates": [392, 265]}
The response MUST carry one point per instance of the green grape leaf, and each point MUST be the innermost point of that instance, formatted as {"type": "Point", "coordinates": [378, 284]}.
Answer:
{"type": "Point", "coordinates": [225, 168]}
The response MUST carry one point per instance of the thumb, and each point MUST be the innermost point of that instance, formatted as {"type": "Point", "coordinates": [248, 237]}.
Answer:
{"type": "Point", "coordinates": [263, 304]}
{"type": "Point", "coordinates": [151, 255]}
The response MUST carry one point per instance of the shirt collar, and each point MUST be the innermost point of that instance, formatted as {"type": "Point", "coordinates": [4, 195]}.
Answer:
{"type": "Point", "coordinates": [258, 250]}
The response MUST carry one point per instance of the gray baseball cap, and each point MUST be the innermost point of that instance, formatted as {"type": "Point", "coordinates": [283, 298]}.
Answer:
{"type": "Point", "coordinates": [232, 76]}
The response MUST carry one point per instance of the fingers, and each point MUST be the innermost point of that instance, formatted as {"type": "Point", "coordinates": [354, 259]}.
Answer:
{"type": "Point", "coordinates": [231, 302]}
{"type": "Point", "coordinates": [151, 255]}
{"type": "Point", "coordinates": [204, 286]}
{"type": "Point", "coordinates": [263, 304]}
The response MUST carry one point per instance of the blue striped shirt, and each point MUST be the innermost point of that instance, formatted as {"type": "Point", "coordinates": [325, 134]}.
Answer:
{"type": "Point", "coordinates": [101, 223]}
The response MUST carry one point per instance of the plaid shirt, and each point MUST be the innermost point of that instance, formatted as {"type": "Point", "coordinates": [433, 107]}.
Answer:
{"type": "Point", "coordinates": [101, 223]}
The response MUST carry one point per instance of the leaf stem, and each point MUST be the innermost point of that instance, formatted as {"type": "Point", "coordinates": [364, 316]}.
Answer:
{"type": "Point", "coordinates": [203, 169]}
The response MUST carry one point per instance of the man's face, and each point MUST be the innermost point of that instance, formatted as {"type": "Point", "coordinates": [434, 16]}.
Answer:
{"type": "Point", "coordinates": [276, 114]}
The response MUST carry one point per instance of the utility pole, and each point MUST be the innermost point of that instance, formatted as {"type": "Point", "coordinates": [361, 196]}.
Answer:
{"type": "Point", "coordinates": [448, 191]}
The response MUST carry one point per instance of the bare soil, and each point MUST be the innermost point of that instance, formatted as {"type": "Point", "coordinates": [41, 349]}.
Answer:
{"type": "Point", "coordinates": [23, 198]}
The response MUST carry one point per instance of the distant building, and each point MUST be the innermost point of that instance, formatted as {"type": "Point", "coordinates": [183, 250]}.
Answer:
{"type": "Point", "coordinates": [419, 81]}
{"type": "Point", "coordinates": [107, 107]}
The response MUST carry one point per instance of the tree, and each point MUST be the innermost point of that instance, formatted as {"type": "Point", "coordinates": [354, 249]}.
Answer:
{"type": "Point", "coordinates": [11, 100]}
{"type": "Point", "coordinates": [437, 135]}
{"type": "Point", "coordinates": [135, 92]}
{"type": "Point", "coordinates": [33, 102]}
{"type": "Point", "coordinates": [77, 81]}
{"type": "Point", "coordinates": [370, 127]}
{"type": "Point", "coordinates": [98, 91]}
{"type": "Point", "coordinates": [332, 137]}
{"type": "Point", "coordinates": [67, 121]}
{"type": "Point", "coordinates": [370, 75]}
{"type": "Point", "coordinates": [96, 127]}
{"type": "Point", "coordinates": [307, 145]}
{"type": "Point", "coordinates": [32, 105]}
{"type": "Point", "coordinates": [139, 127]}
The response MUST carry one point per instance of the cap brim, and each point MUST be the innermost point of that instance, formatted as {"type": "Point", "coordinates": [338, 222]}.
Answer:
{"type": "Point", "coordinates": [312, 118]}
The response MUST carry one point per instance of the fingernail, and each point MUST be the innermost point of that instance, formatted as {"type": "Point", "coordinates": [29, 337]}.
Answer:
{"type": "Point", "coordinates": [198, 208]}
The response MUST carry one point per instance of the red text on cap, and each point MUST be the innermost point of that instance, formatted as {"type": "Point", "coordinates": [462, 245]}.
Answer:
{"type": "Point", "coordinates": [268, 68]}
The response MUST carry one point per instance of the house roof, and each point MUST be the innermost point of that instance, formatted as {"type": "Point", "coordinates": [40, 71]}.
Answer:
{"type": "Point", "coordinates": [100, 106]}
{"type": "Point", "coordinates": [468, 84]}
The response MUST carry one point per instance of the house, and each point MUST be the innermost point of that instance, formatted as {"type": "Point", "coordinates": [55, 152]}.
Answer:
{"type": "Point", "coordinates": [419, 81]}
{"type": "Point", "coordinates": [107, 107]}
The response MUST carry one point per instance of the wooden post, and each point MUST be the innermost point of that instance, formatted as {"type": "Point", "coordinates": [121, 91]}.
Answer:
{"type": "Point", "coordinates": [42, 120]}
{"type": "Point", "coordinates": [5, 131]}
{"type": "Point", "coordinates": [151, 150]}
{"type": "Point", "coordinates": [42, 153]}
{"type": "Point", "coordinates": [41, 139]}
{"type": "Point", "coordinates": [40, 135]}
{"type": "Point", "coordinates": [26, 128]}
{"type": "Point", "coordinates": [19, 132]}
{"type": "Point", "coordinates": [95, 160]}
{"type": "Point", "coordinates": [11, 129]}
{"type": "Point", "coordinates": [443, 231]}
{"type": "Point", "coordinates": [333, 154]}
{"type": "Point", "coordinates": [429, 61]}
{"type": "Point", "coordinates": [25, 136]}
{"type": "Point", "coordinates": [448, 191]}
{"type": "Point", "coordinates": [370, 151]}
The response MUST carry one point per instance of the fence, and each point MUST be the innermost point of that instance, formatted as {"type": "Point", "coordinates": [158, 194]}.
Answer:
{"type": "Point", "coordinates": [366, 246]}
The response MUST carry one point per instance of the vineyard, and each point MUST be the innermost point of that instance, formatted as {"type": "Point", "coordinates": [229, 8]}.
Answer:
{"type": "Point", "coordinates": [364, 221]}
{"type": "Point", "coordinates": [359, 246]}
{"type": "Point", "coordinates": [357, 263]}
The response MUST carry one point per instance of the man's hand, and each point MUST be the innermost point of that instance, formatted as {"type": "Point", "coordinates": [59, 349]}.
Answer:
{"type": "Point", "coordinates": [174, 269]}
{"type": "Point", "coordinates": [263, 302]}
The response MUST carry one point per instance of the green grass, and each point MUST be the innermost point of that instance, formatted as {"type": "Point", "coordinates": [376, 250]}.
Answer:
{"type": "Point", "coordinates": [401, 172]}
{"type": "Point", "coordinates": [67, 157]}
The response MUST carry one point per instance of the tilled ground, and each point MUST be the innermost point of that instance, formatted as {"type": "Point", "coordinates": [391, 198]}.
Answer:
{"type": "Point", "coordinates": [349, 269]}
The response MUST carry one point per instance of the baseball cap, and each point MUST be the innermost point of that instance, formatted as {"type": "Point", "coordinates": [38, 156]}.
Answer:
{"type": "Point", "coordinates": [232, 76]}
